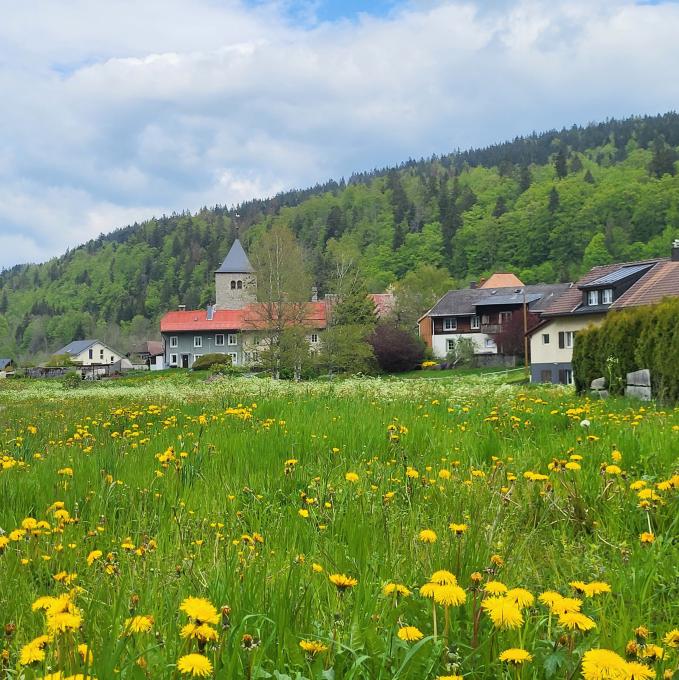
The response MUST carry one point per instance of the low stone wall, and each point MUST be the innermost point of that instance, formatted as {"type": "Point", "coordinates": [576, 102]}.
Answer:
{"type": "Point", "coordinates": [638, 386]}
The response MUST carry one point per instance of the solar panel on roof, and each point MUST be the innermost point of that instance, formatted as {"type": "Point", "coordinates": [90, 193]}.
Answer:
{"type": "Point", "coordinates": [619, 274]}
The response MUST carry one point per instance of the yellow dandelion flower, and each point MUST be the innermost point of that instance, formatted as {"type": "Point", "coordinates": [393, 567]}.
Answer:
{"type": "Point", "coordinates": [458, 529]}
{"type": "Point", "coordinates": [351, 477]}
{"type": "Point", "coordinates": [576, 620]}
{"type": "Point", "coordinates": [450, 596]}
{"type": "Point", "coordinates": [410, 633]}
{"type": "Point", "coordinates": [522, 597]}
{"type": "Point", "coordinates": [647, 537]}
{"type": "Point", "coordinates": [200, 609]}
{"type": "Point", "coordinates": [671, 639]}
{"type": "Point", "coordinates": [427, 536]}
{"type": "Point", "coordinates": [138, 624]}
{"type": "Point", "coordinates": [602, 664]}
{"type": "Point", "coordinates": [515, 656]}
{"type": "Point", "coordinates": [93, 555]}
{"type": "Point", "coordinates": [196, 665]}
{"type": "Point", "coordinates": [503, 612]}
{"type": "Point", "coordinates": [313, 647]}
{"type": "Point", "coordinates": [495, 588]}
{"type": "Point", "coordinates": [443, 577]}
{"type": "Point", "coordinates": [34, 651]}
{"type": "Point", "coordinates": [397, 588]}
{"type": "Point", "coordinates": [342, 581]}
{"type": "Point", "coordinates": [637, 671]}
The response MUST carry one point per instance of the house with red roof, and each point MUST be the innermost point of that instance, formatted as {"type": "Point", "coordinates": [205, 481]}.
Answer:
{"type": "Point", "coordinates": [603, 290]}
{"type": "Point", "coordinates": [235, 324]}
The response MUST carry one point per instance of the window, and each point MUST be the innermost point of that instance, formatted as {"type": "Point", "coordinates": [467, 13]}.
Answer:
{"type": "Point", "coordinates": [545, 341]}
{"type": "Point", "coordinates": [565, 376]}
{"type": "Point", "coordinates": [101, 354]}
{"type": "Point", "coordinates": [173, 359]}
{"type": "Point", "coordinates": [174, 341]}
{"type": "Point", "coordinates": [232, 339]}
{"type": "Point", "coordinates": [314, 338]}
{"type": "Point", "coordinates": [233, 285]}
{"type": "Point", "coordinates": [219, 339]}
{"type": "Point", "coordinates": [450, 345]}
{"type": "Point", "coordinates": [112, 359]}
{"type": "Point", "coordinates": [196, 357]}
{"type": "Point", "coordinates": [607, 296]}
{"type": "Point", "coordinates": [476, 323]}
{"type": "Point", "coordinates": [505, 316]}
{"type": "Point", "coordinates": [247, 357]}
{"type": "Point", "coordinates": [449, 324]}
{"type": "Point", "coordinates": [234, 358]}
{"type": "Point", "coordinates": [546, 375]}
{"type": "Point", "coordinates": [489, 343]}
{"type": "Point", "coordinates": [566, 339]}
{"type": "Point", "coordinates": [593, 298]}
{"type": "Point", "coordinates": [91, 353]}
{"type": "Point", "coordinates": [197, 340]}
{"type": "Point", "coordinates": [485, 319]}
{"type": "Point", "coordinates": [239, 285]}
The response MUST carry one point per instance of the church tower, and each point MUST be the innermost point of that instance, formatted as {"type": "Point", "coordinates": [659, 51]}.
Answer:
{"type": "Point", "coordinates": [235, 280]}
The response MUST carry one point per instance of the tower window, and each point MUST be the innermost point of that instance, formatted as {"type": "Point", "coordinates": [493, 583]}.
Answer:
{"type": "Point", "coordinates": [233, 285]}
{"type": "Point", "coordinates": [239, 285]}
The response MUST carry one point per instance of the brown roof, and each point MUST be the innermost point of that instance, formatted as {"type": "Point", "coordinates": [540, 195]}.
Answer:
{"type": "Point", "coordinates": [660, 281]}
{"type": "Point", "coordinates": [502, 280]}
{"type": "Point", "coordinates": [572, 298]}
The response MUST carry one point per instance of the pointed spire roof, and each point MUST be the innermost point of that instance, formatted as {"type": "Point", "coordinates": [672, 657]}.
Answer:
{"type": "Point", "coordinates": [236, 262]}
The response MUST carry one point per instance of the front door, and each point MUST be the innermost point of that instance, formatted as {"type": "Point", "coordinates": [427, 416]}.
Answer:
{"type": "Point", "coordinates": [185, 360]}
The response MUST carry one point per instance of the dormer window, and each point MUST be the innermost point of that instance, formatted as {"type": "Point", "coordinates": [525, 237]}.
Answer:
{"type": "Point", "coordinates": [607, 296]}
{"type": "Point", "coordinates": [593, 298]}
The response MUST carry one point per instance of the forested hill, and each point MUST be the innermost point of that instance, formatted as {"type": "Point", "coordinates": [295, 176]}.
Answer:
{"type": "Point", "coordinates": [545, 206]}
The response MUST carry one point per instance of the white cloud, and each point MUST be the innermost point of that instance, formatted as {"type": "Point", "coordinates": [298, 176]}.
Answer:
{"type": "Point", "coordinates": [124, 110]}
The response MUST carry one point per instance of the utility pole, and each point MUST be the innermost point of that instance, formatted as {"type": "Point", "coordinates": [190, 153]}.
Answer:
{"type": "Point", "coordinates": [525, 335]}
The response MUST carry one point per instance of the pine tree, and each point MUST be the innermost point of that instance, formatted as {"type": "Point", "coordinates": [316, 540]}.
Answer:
{"type": "Point", "coordinates": [576, 164]}
{"type": "Point", "coordinates": [560, 164]}
{"type": "Point", "coordinates": [554, 201]}
{"type": "Point", "coordinates": [525, 178]}
{"type": "Point", "coordinates": [663, 159]}
{"type": "Point", "coordinates": [356, 308]}
{"type": "Point", "coordinates": [500, 207]}
{"type": "Point", "coordinates": [588, 177]}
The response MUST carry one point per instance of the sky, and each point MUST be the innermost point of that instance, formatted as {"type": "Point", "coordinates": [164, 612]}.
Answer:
{"type": "Point", "coordinates": [117, 111]}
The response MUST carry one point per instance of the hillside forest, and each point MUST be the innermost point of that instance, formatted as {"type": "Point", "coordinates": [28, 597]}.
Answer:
{"type": "Point", "coordinates": [546, 206]}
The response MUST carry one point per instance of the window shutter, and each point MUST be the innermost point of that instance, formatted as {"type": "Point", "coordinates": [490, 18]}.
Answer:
{"type": "Point", "coordinates": [562, 340]}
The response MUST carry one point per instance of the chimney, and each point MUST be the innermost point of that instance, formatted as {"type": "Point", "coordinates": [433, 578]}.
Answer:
{"type": "Point", "coordinates": [314, 294]}
{"type": "Point", "coordinates": [210, 312]}
{"type": "Point", "coordinates": [675, 250]}
{"type": "Point", "coordinates": [181, 308]}
{"type": "Point", "coordinates": [473, 284]}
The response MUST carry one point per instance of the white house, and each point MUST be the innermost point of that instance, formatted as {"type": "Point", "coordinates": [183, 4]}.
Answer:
{"type": "Point", "coordinates": [90, 353]}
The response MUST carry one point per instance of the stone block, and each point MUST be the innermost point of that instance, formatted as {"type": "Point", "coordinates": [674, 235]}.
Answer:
{"type": "Point", "coordinates": [599, 384]}
{"type": "Point", "coordinates": [638, 392]}
{"type": "Point", "coordinates": [642, 377]}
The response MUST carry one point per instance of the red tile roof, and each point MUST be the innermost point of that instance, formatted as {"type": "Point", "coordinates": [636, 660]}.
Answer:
{"type": "Point", "coordinates": [384, 303]}
{"type": "Point", "coordinates": [502, 280]}
{"type": "Point", "coordinates": [248, 318]}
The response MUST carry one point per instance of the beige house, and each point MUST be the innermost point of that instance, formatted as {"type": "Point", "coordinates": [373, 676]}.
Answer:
{"type": "Point", "coordinates": [90, 353]}
{"type": "Point", "coordinates": [603, 289]}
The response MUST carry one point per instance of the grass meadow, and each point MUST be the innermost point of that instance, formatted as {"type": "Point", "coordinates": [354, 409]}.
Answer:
{"type": "Point", "coordinates": [411, 529]}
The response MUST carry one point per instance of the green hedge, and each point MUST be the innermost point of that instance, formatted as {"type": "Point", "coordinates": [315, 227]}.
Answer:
{"type": "Point", "coordinates": [643, 337]}
{"type": "Point", "coordinates": [210, 360]}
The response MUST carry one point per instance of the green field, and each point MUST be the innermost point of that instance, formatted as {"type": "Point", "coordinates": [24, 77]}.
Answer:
{"type": "Point", "coordinates": [120, 500]}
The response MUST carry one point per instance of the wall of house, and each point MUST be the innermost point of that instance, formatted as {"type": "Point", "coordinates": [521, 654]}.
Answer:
{"type": "Point", "coordinates": [100, 355]}
{"type": "Point", "coordinates": [186, 345]}
{"type": "Point", "coordinates": [228, 298]}
{"type": "Point", "coordinates": [440, 343]}
{"type": "Point", "coordinates": [549, 356]}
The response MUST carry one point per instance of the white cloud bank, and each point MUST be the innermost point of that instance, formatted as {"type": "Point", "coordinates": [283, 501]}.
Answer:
{"type": "Point", "coordinates": [114, 112]}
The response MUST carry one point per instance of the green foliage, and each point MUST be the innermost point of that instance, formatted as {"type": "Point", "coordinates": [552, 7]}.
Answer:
{"type": "Point", "coordinates": [466, 214]}
{"type": "Point", "coordinates": [645, 337]}
{"type": "Point", "coordinates": [211, 360]}
{"type": "Point", "coordinates": [461, 353]}
{"type": "Point", "coordinates": [59, 360]}
{"type": "Point", "coordinates": [345, 350]}
{"type": "Point", "coordinates": [71, 380]}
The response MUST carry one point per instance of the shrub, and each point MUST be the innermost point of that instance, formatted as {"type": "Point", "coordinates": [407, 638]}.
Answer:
{"type": "Point", "coordinates": [71, 380]}
{"type": "Point", "coordinates": [396, 350]}
{"type": "Point", "coordinates": [210, 360]}
{"type": "Point", "coordinates": [645, 337]}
